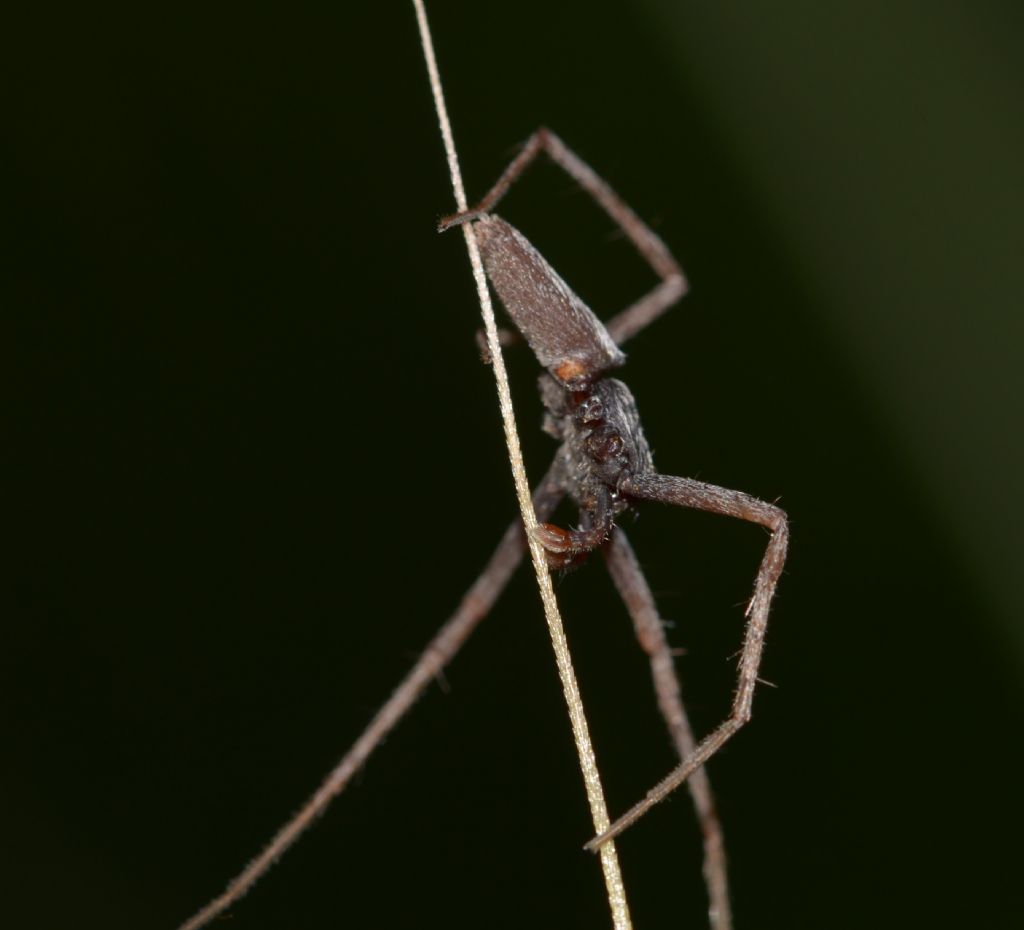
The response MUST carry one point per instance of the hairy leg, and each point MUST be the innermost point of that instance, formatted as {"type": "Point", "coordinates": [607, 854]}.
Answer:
{"type": "Point", "coordinates": [636, 595]}
{"type": "Point", "coordinates": [475, 605]}
{"type": "Point", "coordinates": [685, 492]}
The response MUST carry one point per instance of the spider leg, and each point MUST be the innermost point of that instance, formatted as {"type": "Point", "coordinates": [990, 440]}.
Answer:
{"type": "Point", "coordinates": [475, 605]}
{"type": "Point", "coordinates": [506, 338]}
{"type": "Point", "coordinates": [684, 492]}
{"type": "Point", "coordinates": [593, 531]}
{"type": "Point", "coordinates": [636, 594]}
{"type": "Point", "coordinates": [652, 249]}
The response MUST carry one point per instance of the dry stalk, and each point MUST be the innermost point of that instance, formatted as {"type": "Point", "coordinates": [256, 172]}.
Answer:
{"type": "Point", "coordinates": [588, 764]}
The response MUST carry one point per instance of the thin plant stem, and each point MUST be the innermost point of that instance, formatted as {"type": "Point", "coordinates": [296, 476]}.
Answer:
{"type": "Point", "coordinates": [588, 763]}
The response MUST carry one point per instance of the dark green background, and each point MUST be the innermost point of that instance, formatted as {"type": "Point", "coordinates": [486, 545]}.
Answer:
{"type": "Point", "coordinates": [257, 459]}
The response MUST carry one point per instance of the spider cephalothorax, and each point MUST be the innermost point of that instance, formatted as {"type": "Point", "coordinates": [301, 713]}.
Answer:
{"type": "Point", "coordinates": [603, 444]}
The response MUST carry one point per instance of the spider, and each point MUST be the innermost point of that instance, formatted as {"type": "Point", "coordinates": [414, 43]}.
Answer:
{"type": "Point", "coordinates": [605, 467]}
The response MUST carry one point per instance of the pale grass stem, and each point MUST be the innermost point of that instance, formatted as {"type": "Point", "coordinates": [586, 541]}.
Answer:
{"type": "Point", "coordinates": [588, 764]}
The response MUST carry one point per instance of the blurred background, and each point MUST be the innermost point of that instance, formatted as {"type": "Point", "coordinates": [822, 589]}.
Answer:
{"type": "Point", "coordinates": [256, 458]}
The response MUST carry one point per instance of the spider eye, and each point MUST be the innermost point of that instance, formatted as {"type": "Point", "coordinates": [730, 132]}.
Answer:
{"type": "Point", "coordinates": [605, 446]}
{"type": "Point", "coordinates": [590, 410]}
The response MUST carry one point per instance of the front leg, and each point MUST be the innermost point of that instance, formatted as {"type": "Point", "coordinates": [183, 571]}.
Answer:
{"type": "Point", "coordinates": [684, 492]}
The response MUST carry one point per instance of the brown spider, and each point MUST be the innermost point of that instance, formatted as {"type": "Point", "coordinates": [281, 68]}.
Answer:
{"type": "Point", "coordinates": [604, 466]}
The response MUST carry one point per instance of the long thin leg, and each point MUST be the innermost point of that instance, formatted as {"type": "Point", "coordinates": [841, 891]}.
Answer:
{"type": "Point", "coordinates": [640, 314]}
{"type": "Point", "coordinates": [636, 594]}
{"type": "Point", "coordinates": [475, 605]}
{"type": "Point", "coordinates": [684, 492]}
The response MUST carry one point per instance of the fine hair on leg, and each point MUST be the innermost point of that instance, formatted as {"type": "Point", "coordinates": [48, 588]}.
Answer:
{"type": "Point", "coordinates": [685, 492]}
{"type": "Point", "coordinates": [635, 592]}
{"type": "Point", "coordinates": [475, 605]}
